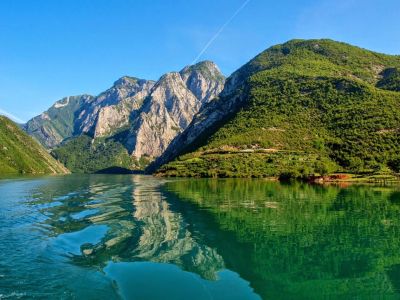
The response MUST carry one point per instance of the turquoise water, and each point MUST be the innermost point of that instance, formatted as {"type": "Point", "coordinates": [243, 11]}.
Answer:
{"type": "Point", "coordinates": [138, 237]}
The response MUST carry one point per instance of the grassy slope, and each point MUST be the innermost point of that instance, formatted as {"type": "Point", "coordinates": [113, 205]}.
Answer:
{"type": "Point", "coordinates": [310, 107]}
{"type": "Point", "coordinates": [19, 153]}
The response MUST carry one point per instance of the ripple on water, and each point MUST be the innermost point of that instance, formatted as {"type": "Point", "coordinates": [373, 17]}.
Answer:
{"type": "Point", "coordinates": [70, 243]}
{"type": "Point", "coordinates": [85, 213]}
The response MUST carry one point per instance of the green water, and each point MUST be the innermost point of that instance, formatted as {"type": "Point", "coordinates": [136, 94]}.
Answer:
{"type": "Point", "coordinates": [138, 237]}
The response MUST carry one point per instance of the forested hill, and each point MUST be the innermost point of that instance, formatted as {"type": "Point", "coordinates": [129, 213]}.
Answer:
{"type": "Point", "coordinates": [306, 107]}
{"type": "Point", "coordinates": [20, 154]}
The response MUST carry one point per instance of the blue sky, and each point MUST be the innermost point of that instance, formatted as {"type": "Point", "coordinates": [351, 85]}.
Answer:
{"type": "Point", "coordinates": [53, 48]}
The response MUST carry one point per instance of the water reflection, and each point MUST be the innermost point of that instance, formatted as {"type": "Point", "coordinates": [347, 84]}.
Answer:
{"type": "Point", "coordinates": [109, 221]}
{"type": "Point", "coordinates": [141, 237]}
{"type": "Point", "coordinates": [302, 241]}
{"type": "Point", "coordinates": [143, 230]}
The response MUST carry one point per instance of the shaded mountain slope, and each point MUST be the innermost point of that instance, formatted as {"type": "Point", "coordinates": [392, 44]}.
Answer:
{"type": "Point", "coordinates": [59, 122]}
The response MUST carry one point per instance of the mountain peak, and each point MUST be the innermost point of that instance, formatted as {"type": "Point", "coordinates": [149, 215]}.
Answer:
{"type": "Point", "coordinates": [66, 100]}
{"type": "Point", "coordinates": [129, 81]}
{"type": "Point", "coordinates": [206, 67]}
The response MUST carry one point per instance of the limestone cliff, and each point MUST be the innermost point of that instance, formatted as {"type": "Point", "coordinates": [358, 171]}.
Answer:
{"type": "Point", "coordinates": [144, 116]}
{"type": "Point", "coordinates": [171, 106]}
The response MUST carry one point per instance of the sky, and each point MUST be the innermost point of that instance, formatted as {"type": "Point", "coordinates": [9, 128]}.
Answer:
{"type": "Point", "coordinates": [51, 49]}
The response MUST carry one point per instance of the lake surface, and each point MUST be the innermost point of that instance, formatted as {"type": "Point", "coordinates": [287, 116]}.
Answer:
{"type": "Point", "coordinates": [138, 237]}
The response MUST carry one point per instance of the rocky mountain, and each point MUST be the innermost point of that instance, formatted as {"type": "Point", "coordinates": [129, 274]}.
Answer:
{"type": "Point", "coordinates": [59, 122]}
{"type": "Point", "coordinates": [77, 115]}
{"type": "Point", "coordinates": [20, 154]}
{"type": "Point", "coordinates": [134, 120]}
{"type": "Point", "coordinates": [113, 108]}
{"type": "Point", "coordinates": [303, 108]}
{"type": "Point", "coordinates": [170, 108]}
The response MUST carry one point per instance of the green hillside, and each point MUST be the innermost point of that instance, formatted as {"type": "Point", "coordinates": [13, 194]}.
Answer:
{"type": "Point", "coordinates": [306, 107]}
{"type": "Point", "coordinates": [84, 155]}
{"type": "Point", "coordinates": [20, 154]}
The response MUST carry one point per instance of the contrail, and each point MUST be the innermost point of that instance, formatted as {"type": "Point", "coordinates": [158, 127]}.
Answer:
{"type": "Point", "coordinates": [11, 116]}
{"type": "Point", "coordinates": [220, 31]}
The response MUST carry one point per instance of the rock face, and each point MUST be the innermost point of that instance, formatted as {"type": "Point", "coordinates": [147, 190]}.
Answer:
{"type": "Point", "coordinates": [170, 108]}
{"type": "Point", "coordinates": [145, 116]}
{"type": "Point", "coordinates": [202, 123]}
{"type": "Point", "coordinates": [112, 108]}
{"type": "Point", "coordinates": [96, 116]}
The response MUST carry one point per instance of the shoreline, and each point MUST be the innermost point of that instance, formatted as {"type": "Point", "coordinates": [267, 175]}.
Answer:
{"type": "Point", "coordinates": [336, 178]}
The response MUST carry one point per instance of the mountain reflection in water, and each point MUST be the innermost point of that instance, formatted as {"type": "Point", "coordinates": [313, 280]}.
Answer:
{"type": "Point", "coordinates": [102, 236]}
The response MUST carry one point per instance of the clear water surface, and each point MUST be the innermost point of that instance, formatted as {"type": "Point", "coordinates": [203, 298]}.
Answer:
{"type": "Point", "coordinates": [139, 237]}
